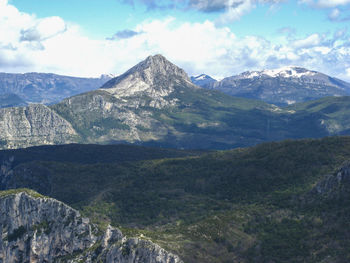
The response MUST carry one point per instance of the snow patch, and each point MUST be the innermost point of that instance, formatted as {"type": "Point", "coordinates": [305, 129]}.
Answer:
{"type": "Point", "coordinates": [284, 72]}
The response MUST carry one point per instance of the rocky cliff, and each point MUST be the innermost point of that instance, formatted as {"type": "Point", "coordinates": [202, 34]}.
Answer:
{"type": "Point", "coordinates": [333, 186]}
{"type": "Point", "coordinates": [33, 125]}
{"type": "Point", "coordinates": [40, 229]}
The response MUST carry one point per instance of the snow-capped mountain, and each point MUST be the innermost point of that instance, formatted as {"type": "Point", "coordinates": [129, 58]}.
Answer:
{"type": "Point", "coordinates": [202, 80]}
{"type": "Point", "coordinates": [282, 86]}
{"type": "Point", "coordinates": [285, 72]}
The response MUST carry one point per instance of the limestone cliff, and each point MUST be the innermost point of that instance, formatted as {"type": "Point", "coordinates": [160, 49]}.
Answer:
{"type": "Point", "coordinates": [33, 125]}
{"type": "Point", "coordinates": [39, 229]}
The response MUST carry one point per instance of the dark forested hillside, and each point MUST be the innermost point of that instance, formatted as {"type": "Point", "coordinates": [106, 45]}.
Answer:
{"type": "Point", "coordinates": [256, 204]}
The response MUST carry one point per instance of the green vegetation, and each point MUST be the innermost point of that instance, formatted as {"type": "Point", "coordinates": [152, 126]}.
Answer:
{"type": "Point", "coordinates": [91, 153]}
{"type": "Point", "coordinates": [202, 118]}
{"type": "Point", "coordinates": [16, 234]}
{"type": "Point", "coordinates": [21, 190]}
{"type": "Point", "coordinates": [43, 227]}
{"type": "Point", "coordinates": [247, 205]}
{"type": "Point", "coordinates": [11, 100]}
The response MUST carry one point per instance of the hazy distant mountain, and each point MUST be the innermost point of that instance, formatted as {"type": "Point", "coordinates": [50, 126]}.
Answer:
{"type": "Point", "coordinates": [44, 88]}
{"type": "Point", "coordinates": [155, 103]}
{"type": "Point", "coordinates": [282, 86]}
{"type": "Point", "coordinates": [11, 100]}
{"type": "Point", "coordinates": [202, 80]}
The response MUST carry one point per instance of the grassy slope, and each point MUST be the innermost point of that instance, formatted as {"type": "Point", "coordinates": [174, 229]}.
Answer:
{"type": "Point", "coordinates": [241, 204]}
{"type": "Point", "coordinates": [334, 111]}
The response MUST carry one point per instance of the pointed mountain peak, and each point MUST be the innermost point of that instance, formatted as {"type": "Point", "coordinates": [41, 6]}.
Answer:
{"type": "Point", "coordinates": [152, 70]}
{"type": "Point", "coordinates": [156, 59]}
{"type": "Point", "coordinates": [155, 78]}
{"type": "Point", "coordinates": [157, 66]}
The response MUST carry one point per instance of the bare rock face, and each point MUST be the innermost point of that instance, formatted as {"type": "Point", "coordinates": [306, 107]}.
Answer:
{"type": "Point", "coordinates": [33, 125]}
{"type": "Point", "coordinates": [40, 229]}
{"type": "Point", "coordinates": [334, 186]}
{"type": "Point", "coordinates": [37, 229]}
{"type": "Point", "coordinates": [155, 78]}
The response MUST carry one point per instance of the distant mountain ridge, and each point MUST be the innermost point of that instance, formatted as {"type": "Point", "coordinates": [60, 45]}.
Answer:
{"type": "Point", "coordinates": [202, 80]}
{"type": "Point", "coordinates": [45, 88]}
{"type": "Point", "coordinates": [284, 86]}
{"type": "Point", "coordinates": [155, 104]}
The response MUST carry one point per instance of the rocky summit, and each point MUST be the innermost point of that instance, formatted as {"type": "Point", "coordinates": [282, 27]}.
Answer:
{"type": "Point", "coordinates": [35, 228]}
{"type": "Point", "coordinates": [282, 86]}
{"type": "Point", "coordinates": [151, 80]}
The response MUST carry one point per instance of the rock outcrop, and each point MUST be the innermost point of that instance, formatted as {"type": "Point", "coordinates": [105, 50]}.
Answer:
{"type": "Point", "coordinates": [33, 125]}
{"type": "Point", "coordinates": [39, 229]}
{"type": "Point", "coordinates": [154, 79]}
{"type": "Point", "coordinates": [333, 186]}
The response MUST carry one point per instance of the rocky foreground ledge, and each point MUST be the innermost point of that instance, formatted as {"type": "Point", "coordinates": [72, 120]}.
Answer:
{"type": "Point", "coordinates": [35, 228]}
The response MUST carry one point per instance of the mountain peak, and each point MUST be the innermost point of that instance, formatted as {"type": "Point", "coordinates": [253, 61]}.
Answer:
{"type": "Point", "coordinates": [158, 66]}
{"type": "Point", "coordinates": [202, 80]}
{"type": "Point", "coordinates": [156, 59]}
{"type": "Point", "coordinates": [155, 77]}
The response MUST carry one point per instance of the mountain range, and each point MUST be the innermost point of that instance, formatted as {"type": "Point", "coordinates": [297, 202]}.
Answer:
{"type": "Point", "coordinates": [45, 88]}
{"type": "Point", "coordinates": [155, 103]}
{"type": "Point", "coordinates": [81, 196]}
{"type": "Point", "coordinates": [282, 86]}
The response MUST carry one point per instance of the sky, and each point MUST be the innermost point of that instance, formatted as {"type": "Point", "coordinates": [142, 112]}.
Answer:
{"type": "Point", "coordinates": [221, 38]}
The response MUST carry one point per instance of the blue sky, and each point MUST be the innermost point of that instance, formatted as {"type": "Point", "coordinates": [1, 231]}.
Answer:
{"type": "Point", "coordinates": [217, 37]}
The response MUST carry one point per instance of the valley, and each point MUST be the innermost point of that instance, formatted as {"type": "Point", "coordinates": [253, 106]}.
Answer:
{"type": "Point", "coordinates": [273, 202]}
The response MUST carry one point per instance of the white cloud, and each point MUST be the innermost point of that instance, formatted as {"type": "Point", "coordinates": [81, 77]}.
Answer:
{"type": "Point", "coordinates": [44, 29]}
{"type": "Point", "coordinates": [337, 7]}
{"type": "Point", "coordinates": [231, 10]}
{"type": "Point", "coordinates": [236, 9]}
{"type": "Point", "coordinates": [325, 3]}
{"type": "Point", "coordinates": [334, 14]}
{"type": "Point", "coordinates": [348, 72]}
{"type": "Point", "coordinates": [332, 3]}
{"type": "Point", "coordinates": [310, 41]}
{"type": "Point", "coordinates": [197, 47]}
